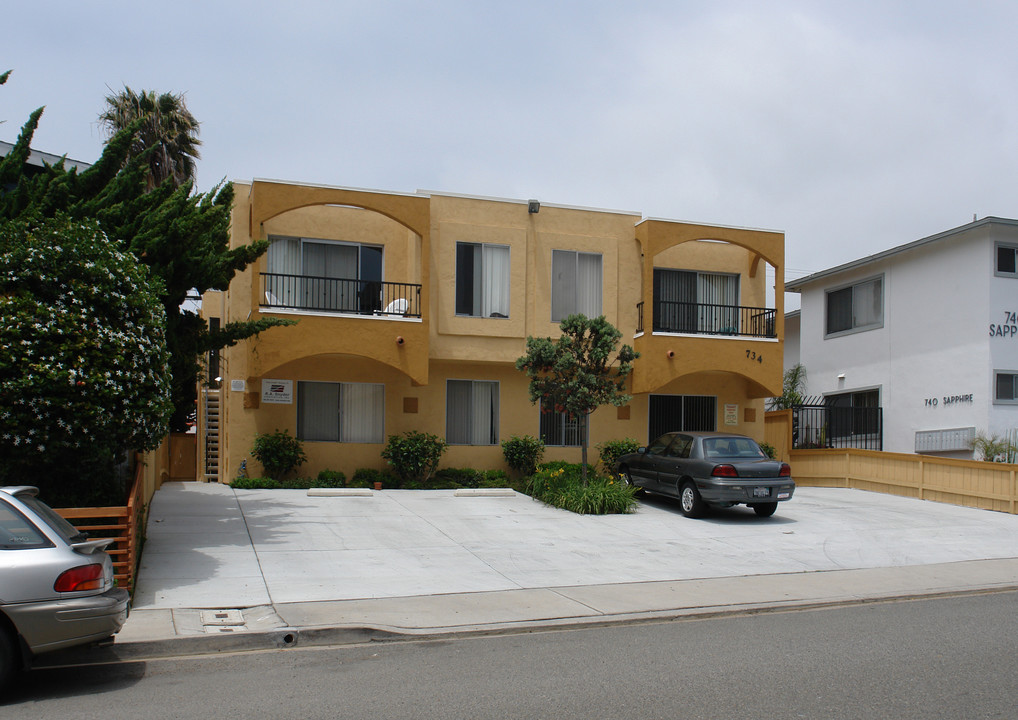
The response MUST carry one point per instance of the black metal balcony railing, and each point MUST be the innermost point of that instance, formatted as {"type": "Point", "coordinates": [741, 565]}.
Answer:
{"type": "Point", "coordinates": [710, 319]}
{"type": "Point", "coordinates": [340, 295]}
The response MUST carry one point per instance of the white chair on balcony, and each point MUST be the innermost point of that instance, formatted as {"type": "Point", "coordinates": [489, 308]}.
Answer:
{"type": "Point", "coordinates": [397, 307]}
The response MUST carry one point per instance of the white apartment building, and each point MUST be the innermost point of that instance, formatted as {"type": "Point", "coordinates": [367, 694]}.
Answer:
{"type": "Point", "coordinates": [927, 331]}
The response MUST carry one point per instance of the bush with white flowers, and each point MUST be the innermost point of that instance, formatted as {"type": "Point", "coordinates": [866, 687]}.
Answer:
{"type": "Point", "coordinates": [83, 361]}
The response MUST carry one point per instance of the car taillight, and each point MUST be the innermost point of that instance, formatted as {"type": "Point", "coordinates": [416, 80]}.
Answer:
{"type": "Point", "coordinates": [83, 577]}
{"type": "Point", "coordinates": [724, 471]}
{"type": "Point", "coordinates": [785, 470]}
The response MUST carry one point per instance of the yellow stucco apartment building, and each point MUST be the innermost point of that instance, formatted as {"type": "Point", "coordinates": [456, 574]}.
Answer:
{"type": "Point", "coordinates": [413, 308]}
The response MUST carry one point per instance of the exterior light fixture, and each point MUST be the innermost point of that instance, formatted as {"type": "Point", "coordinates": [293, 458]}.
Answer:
{"type": "Point", "coordinates": [533, 207]}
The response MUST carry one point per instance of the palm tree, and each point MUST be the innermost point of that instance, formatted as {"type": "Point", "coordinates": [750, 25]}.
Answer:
{"type": "Point", "coordinates": [793, 387]}
{"type": "Point", "coordinates": [168, 125]}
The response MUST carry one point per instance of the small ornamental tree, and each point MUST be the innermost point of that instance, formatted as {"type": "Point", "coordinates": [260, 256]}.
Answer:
{"type": "Point", "coordinates": [83, 359]}
{"type": "Point", "coordinates": [577, 373]}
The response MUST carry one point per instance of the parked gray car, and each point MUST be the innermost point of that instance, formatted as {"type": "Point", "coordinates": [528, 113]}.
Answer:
{"type": "Point", "coordinates": [56, 586]}
{"type": "Point", "coordinates": [704, 469]}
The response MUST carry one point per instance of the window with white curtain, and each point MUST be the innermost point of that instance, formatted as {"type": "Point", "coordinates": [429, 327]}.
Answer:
{"type": "Point", "coordinates": [323, 275]}
{"type": "Point", "coordinates": [482, 280]}
{"type": "Point", "coordinates": [696, 302]}
{"type": "Point", "coordinates": [856, 307]}
{"type": "Point", "coordinates": [576, 284]}
{"type": "Point", "coordinates": [341, 412]}
{"type": "Point", "coordinates": [471, 412]}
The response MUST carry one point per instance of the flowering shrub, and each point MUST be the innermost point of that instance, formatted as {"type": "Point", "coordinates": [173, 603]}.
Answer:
{"type": "Point", "coordinates": [561, 485]}
{"type": "Point", "coordinates": [83, 361]}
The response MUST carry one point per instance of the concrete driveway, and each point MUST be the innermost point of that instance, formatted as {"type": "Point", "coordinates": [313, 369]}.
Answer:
{"type": "Point", "coordinates": [209, 546]}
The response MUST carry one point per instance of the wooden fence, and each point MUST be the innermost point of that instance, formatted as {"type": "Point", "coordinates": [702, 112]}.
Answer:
{"type": "Point", "coordinates": [973, 483]}
{"type": "Point", "coordinates": [123, 523]}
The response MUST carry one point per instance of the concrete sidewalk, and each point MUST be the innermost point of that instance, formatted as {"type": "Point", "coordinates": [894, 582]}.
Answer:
{"type": "Point", "coordinates": [225, 569]}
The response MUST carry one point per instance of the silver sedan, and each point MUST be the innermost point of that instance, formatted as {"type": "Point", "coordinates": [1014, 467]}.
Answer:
{"type": "Point", "coordinates": [709, 469]}
{"type": "Point", "coordinates": [56, 586]}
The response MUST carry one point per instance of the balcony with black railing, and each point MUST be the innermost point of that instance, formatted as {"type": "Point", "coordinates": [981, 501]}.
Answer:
{"type": "Point", "coordinates": [710, 319]}
{"type": "Point", "coordinates": [340, 295]}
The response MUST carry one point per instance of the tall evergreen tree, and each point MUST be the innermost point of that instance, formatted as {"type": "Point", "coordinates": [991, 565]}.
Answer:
{"type": "Point", "coordinates": [182, 235]}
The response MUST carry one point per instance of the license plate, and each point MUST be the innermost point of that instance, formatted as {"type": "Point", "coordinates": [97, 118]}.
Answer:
{"type": "Point", "coordinates": [761, 492]}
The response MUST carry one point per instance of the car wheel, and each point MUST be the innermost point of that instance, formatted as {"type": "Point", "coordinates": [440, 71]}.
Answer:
{"type": "Point", "coordinates": [765, 509]}
{"type": "Point", "coordinates": [9, 658]}
{"type": "Point", "coordinates": [690, 502]}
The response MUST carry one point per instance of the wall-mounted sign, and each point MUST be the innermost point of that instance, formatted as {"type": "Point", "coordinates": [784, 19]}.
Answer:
{"type": "Point", "coordinates": [949, 400]}
{"type": "Point", "coordinates": [731, 414]}
{"type": "Point", "coordinates": [1008, 328]}
{"type": "Point", "coordinates": [277, 391]}
{"type": "Point", "coordinates": [237, 385]}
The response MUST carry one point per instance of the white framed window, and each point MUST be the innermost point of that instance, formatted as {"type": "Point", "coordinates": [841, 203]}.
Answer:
{"type": "Point", "coordinates": [341, 412]}
{"type": "Point", "coordinates": [482, 280]}
{"type": "Point", "coordinates": [323, 275]}
{"type": "Point", "coordinates": [855, 307]}
{"type": "Point", "coordinates": [1006, 260]}
{"type": "Point", "coordinates": [1005, 387]}
{"type": "Point", "coordinates": [576, 284]}
{"type": "Point", "coordinates": [471, 412]}
{"type": "Point", "coordinates": [559, 429]}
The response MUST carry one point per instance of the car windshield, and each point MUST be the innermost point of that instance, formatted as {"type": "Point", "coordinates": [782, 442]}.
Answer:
{"type": "Point", "coordinates": [732, 447]}
{"type": "Point", "coordinates": [67, 531]}
{"type": "Point", "coordinates": [17, 532]}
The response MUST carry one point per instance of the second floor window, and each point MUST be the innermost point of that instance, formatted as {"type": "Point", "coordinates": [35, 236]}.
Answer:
{"type": "Point", "coordinates": [856, 307]}
{"type": "Point", "coordinates": [323, 275]}
{"type": "Point", "coordinates": [575, 284]}
{"type": "Point", "coordinates": [1006, 390]}
{"type": "Point", "coordinates": [696, 302]}
{"type": "Point", "coordinates": [482, 280]}
{"type": "Point", "coordinates": [1007, 260]}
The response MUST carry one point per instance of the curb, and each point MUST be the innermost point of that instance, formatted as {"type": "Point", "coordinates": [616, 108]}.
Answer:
{"type": "Point", "coordinates": [326, 636]}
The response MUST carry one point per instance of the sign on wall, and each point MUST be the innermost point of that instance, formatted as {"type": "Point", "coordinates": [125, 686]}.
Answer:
{"type": "Point", "coordinates": [1008, 328]}
{"type": "Point", "coordinates": [277, 391]}
{"type": "Point", "coordinates": [731, 414]}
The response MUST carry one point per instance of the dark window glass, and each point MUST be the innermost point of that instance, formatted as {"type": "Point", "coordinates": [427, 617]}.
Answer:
{"type": "Point", "coordinates": [1007, 386]}
{"type": "Point", "coordinates": [1006, 257]}
{"type": "Point", "coordinates": [839, 310]}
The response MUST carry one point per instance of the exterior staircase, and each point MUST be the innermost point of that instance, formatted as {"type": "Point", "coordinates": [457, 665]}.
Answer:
{"type": "Point", "coordinates": [211, 435]}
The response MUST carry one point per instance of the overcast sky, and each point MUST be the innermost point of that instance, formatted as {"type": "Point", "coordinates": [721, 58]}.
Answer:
{"type": "Point", "coordinates": [850, 126]}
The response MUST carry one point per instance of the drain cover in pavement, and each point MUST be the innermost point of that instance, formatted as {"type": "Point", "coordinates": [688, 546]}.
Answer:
{"type": "Point", "coordinates": [222, 617]}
